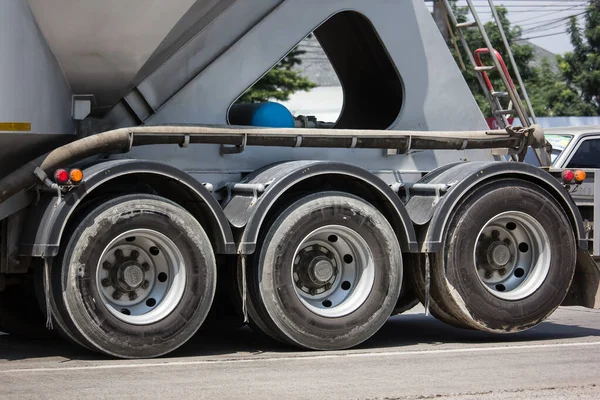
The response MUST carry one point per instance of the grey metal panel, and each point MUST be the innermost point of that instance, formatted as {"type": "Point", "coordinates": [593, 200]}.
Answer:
{"type": "Point", "coordinates": [202, 49]}
{"type": "Point", "coordinates": [102, 45]}
{"type": "Point", "coordinates": [433, 213]}
{"type": "Point", "coordinates": [194, 21]}
{"type": "Point", "coordinates": [32, 85]}
{"type": "Point", "coordinates": [436, 96]}
{"type": "Point", "coordinates": [48, 220]}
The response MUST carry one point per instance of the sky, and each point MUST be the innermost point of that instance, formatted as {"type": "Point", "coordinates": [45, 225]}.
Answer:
{"type": "Point", "coordinates": [543, 21]}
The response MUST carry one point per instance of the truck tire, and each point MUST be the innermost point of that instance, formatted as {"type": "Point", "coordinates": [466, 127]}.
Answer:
{"type": "Point", "coordinates": [508, 258]}
{"type": "Point", "coordinates": [408, 296]}
{"type": "Point", "coordinates": [328, 272]}
{"type": "Point", "coordinates": [405, 303]}
{"type": "Point", "coordinates": [137, 277]}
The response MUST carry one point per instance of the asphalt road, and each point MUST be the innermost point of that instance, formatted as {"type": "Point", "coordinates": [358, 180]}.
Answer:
{"type": "Point", "coordinates": [412, 357]}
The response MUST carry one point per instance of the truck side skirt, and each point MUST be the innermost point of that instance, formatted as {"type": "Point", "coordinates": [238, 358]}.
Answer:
{"type": "Point", "coordinates": [249, 211]}
{"type": "Point", "coordinates": [48, 220]}
{"type": "Point", "coordinates": [431, 213]}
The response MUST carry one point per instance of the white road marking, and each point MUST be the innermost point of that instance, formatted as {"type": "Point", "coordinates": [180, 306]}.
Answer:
{"type": "Point", "coordinates": [303, 358]}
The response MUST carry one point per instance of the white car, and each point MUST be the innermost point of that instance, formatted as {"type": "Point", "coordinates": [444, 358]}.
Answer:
{"type": "Point", "coordinates": [572, 147]}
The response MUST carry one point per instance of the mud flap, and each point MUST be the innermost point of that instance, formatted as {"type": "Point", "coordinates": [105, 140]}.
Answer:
{"type": "Point", "coordinates": [585, 289]}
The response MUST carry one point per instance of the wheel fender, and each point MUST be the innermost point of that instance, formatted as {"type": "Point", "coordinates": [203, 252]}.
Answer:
{"type": "Point", "coordinates": [48, 219]}
{"type": "Point", "coordinates": [431, 213]}
{"type": "Point", "coordinates": [247, 211]}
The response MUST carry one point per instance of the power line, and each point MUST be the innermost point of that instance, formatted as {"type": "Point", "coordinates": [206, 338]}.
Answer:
{"type": "Point", "coordinates": [541, 16]}
{"type": "Point", "coordinates": [540, 36]}
{"type": "Point", "coordinates": [530, 10]}
{"type": "Point", "coordinates": [548, 24]}
{"type": "Point", "coordinates": [554, 6]}
{"type": "Point", "coordinates": [536, 22]}
{"type": "Point", "coordinates": [536, 27]}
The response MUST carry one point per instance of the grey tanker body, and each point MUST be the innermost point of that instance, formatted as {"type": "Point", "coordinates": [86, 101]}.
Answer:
{"type": "Point", "coordinates": [320, 233]}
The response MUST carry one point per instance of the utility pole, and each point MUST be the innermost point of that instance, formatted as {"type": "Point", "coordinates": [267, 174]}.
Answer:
{"type": "Point", "coordinates": [440, 18]}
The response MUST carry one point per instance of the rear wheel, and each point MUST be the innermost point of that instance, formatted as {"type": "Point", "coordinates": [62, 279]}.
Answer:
{"type": "Point", "coordinates": [508, 258]}
{"type": "Point", "coordinates": [137, 277]}
{"type": "Point", "coordinates": [327, 274]}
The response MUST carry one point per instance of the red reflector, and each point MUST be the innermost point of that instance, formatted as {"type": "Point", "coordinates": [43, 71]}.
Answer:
{"type": "Point", "coordinates": [568, 175]}
{"type": "Point", "coordinates": [61, 176]}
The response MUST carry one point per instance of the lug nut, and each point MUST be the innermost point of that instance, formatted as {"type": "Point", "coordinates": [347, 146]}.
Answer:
{"type": "Point", "coordinates": [495, 234]}
{"type": "Point", "coordinates": [146, 266]}
{"type": "Point", "coordinates": [134, 254]}
{"type": "Point", "coordinates": [502, 271]}
{"type": "Point", "coordinates": [119, 255]}
{"type": "Point", "coordinates": [132, 295]}
{"type": "Point", "coordinates": [105, 282]}
{"type": "Point", "coordinates": [117, 295]}
{"type": "Point", "coordinates": [488, 275]}
{"type": "Point", "coordinates": [145, 285]}
{"type": "Point", "coordinates": [106, 265]}
{"type": "Point", "coordinates": [507, 241]}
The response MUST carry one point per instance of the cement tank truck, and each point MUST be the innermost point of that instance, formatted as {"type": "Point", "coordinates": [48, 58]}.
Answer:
{"type": "Point", "coordinates": [133, 186]}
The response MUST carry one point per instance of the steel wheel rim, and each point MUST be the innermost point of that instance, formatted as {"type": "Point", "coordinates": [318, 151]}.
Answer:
{"type": "Point", "coordinates": [147, 270]}
{"type": "Point", "coordinates": [512, 255]}
{"type": "Point", "coordinates": [333, 271]}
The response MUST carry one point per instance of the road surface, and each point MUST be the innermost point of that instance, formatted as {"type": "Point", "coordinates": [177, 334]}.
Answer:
{"type": "Point", "coordinates": [412, 357]}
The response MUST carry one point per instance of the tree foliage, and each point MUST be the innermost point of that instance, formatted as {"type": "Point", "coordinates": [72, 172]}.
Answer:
{"type": "Point", "coordinates": [581, 67]}
{"type": "Point", "coordinates": [552, 96]}
{"type": "Point", "coordinates": [570, 91]}
{"type": "Point", "coordinates": [280, 82]}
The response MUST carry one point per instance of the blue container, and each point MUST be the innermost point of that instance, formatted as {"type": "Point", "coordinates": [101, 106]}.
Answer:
{"type": "Point", "coordinates": [268, 115]}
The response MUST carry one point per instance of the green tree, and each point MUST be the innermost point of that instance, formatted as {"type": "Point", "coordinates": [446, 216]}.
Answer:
{"type": "Point", "coordinates": [553, 96]}
{"type": "Point", "coordinates": [280, 82]}
{"type": "Point", "coordinates": [581, 67]}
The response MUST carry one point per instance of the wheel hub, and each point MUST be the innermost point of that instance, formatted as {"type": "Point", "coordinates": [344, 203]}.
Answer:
{"type": "Point", "coordinates": [131, 275]}
{"type": "Point", "coordinates": [498, 255]}
{"type": "Point", "coordinates": [315, 269]}
{"type": "Point", "coordinates": [126, 275]}
{"type": "Point", "coordinates": [141, 276]}
{"type": "Point", "coordinates": [333, 271]}
{"type": "Point", "coordinates": [511, 255]}
{"type": "Point", "coordinates": [321, 270]}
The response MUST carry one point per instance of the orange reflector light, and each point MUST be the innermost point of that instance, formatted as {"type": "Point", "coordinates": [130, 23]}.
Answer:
{"type": "Point", "coordinates": [568, 175]}
{"type": "Point", "coordinates": [76, 175]}
{"type": "Point", "coordinates": [580, 176]}
{"type": "Point", "coordinates": [61, 176]}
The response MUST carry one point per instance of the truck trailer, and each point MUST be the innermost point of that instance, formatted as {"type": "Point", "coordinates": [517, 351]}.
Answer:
{"type": "Point", "coordinates": [137, 192]}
